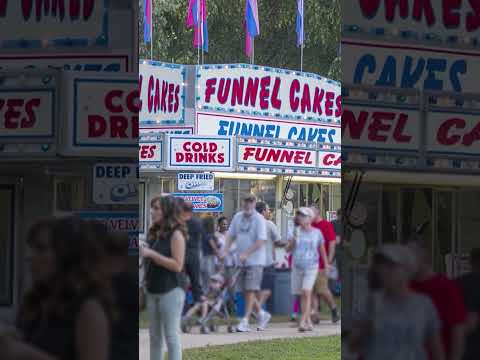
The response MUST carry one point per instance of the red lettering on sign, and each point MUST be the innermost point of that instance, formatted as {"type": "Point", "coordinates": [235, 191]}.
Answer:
{"type": "Point", "coordinates": [122, 125]}
{"type": "Point", "coordinates": [15, 108]}
{"type": "Point", "coordinates": [281, 156]}
{"type": "Point", "coordinates": [306, 105]}
{"type": "Point", "coordinates": [276, 102]}
{"type": "Point", "coordinates": [294, 89]}
{"type": "Point", "coordinates": [162, 96]}
{"type": "Point", "coordinates": [200, 153]}
{"type": "Point", "coordinates": [332, 160]}
{"type": "Point", "coordinates": [210, 90]}
{"type": "Point", "coordinates": [383, 126]}
{"type": "Point", "coordinates": [237, 91]}
{"type": "Point", "coordinates": [264, 92]}
{"type": "Point", "coordinates": [446, 134]}
{"type": "Point", "coordinates": [147, 151]}
{"type": "Point", "coordinates": [57, 9]}
{"type": "Point", "coordinates": [223, 90]}
{"type": "Point", "coordinates": [329, 97]}
{"type": "Point", "coordinates": [251, 92]}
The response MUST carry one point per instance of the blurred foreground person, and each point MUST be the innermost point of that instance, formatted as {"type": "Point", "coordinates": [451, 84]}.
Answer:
{"type": "Point", "coordinates": [446, 297]}
{"type": "Point", "coordinates": [470, 287]}
{"type": "Point", "coordinates": [398, 322]}
{"type": "Point", "coordinates": [124, 283]}
{"type": "Point", "coordinates": [165, 256]}
{"type": "Point", "coordinates": [65, 315]}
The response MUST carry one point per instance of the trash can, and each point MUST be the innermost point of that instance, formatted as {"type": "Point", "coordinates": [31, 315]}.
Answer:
{"type": "Point", "coordinates": [282, 299]}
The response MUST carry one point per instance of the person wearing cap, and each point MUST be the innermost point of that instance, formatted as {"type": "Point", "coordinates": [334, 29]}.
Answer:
{"type": "Point", "coordinates": [305, 244]}
{"type": "Point", "coordinates": [397, 323]}
{"type": "Point", "coordinates": [248, 231]}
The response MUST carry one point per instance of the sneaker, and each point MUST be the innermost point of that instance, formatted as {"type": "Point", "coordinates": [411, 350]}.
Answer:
{"type": "Point", "coordinates": [243, 326]}
{"type": "Point", "coordinates": [335, 317]}
{"type": "Point", "coordinates": [263, 321]}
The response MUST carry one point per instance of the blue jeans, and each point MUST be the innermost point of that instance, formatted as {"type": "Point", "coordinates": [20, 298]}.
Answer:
{"type": "Point", "coordinates": [165, 313]}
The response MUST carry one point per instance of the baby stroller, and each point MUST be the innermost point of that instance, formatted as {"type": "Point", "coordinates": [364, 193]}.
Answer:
{"type": "Point", "coordinates": [219, 309]}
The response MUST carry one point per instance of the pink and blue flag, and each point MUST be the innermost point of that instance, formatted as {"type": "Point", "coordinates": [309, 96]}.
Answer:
{"type": "Point", "coordinates": [147, 21]}
{"type": "Point", "coordinates": [300, 25]}
{"type": "Point", "coordinates": [252, 25]}
{"type": "Point", "coordinates": [197, 18]}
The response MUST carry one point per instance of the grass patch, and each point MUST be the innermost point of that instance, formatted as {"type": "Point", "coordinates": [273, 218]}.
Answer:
{"type": "Point", "coordinates": [319, 348]}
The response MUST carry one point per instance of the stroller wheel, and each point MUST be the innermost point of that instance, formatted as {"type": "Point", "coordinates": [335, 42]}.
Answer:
{"type": "Point", "coordinates": [213, 328]}
{"type": "Point", "coordinates": [316, 319]}
{"type": "Point", "coordinates": [186, 328]}
{"type": "Point", "coordinates": [204, 329]}
{"type": "Point", "coordinates": [231, 329]}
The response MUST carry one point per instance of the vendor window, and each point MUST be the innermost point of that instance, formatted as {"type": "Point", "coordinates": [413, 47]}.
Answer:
{"type": "Point", "coordinates": [6, 244]}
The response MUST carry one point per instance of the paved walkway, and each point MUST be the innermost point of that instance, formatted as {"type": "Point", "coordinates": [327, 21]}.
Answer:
{"type": "Point", "coordinates": [275, 331]}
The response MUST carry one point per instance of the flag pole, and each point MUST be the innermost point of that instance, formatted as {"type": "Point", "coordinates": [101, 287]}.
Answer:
{"type": "Point", "coordinates": [198, 32]}
{"type": "Point", "coordinates": [252, 58]}
{"type": "Point", "coordinates": [301, 58]}
{"type": "Point", "coordinates": [151, 30]}
{"type": "Point", "coordinates": [303, 37]}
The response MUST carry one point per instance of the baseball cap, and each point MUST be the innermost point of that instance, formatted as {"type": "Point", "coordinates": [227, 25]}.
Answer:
{"type": "Point", "coordinates": [305, 211]}
{"type": "Point", "coordinates": [400, 255]}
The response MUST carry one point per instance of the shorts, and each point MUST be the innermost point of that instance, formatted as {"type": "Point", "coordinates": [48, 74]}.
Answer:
{"type": "Point", "coordinates": [303, 279]}
{"type": "Point", "coordinates": [268, 278]}
{"type": "Point", "coordinates": [321, 284]}
{"type": "Point", "coordinates": [250, 278]}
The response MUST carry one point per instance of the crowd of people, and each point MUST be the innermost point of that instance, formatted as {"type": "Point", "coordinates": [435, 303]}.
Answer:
{"type": "Point", "coordinates": [183, 252]}
{"type": "Point", "coordinates": [413, 312]}
{"type": "Point", "coordinates": [81, 303]}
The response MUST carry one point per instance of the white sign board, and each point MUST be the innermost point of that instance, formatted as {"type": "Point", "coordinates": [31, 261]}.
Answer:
{"type": "Point", "coordinates": [453, 133]}
{"type": "Point", "coordinates": [195, 181]}
{"type": "Point", "coordinates": [231, 125]}
{"type": "Point", "coordinates": [115, 184]}
{"type": "Point", "coordinates": [442, 18]}
{"type": "Point", "coordinates": [76, 62]}
{"type": "Point", "coordinates": [54, 23]}
{"type": "Point", "coordinates": [101, 114]}
{"type": "Point", "coordinates": [199, 153]}
{"type": "Point", "coordinates": [27, 113]}
{"type": "Point", "coordinates": [268, 91]}
{"type": "Point", "coordinates": [276, 157]}
{"type": "Point", "coordinates": [369, 127]}
{"type": "Point", "coordinates": [408, 67]}
{"type": "Point", "coordinates": [162, 93]}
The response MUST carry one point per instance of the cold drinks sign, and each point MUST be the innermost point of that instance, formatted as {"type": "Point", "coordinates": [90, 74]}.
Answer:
{"type": "Point", "coordinates": [199, 152]}
{"type": "Point", "coordinates": [162, 93]}
{"type": "Point", "coordinates": [103, 114]}
{"type": "Point", "coordinates": [270, 92]}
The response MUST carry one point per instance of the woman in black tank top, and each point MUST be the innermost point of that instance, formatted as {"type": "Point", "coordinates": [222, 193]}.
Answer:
{"type": "Point", "coordinates": [66, 314]}
{"type": "Point", "coordinates": [165, 258]}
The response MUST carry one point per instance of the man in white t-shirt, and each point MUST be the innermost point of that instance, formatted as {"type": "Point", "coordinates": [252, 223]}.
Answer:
{"type": "Point", "coordinates": [249, 232]}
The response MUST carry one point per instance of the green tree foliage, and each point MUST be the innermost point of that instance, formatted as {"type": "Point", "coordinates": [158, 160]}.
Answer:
{"type": "Point", "coordinates": [276, 45]}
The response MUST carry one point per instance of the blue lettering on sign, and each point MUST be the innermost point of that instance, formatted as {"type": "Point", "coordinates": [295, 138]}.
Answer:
{"type": "Point", "coordinates": [297, 132]}
{"type": "Point", "coordinates": [431, 69]}
{"type": "Point", "coordinates": [112, 171]}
